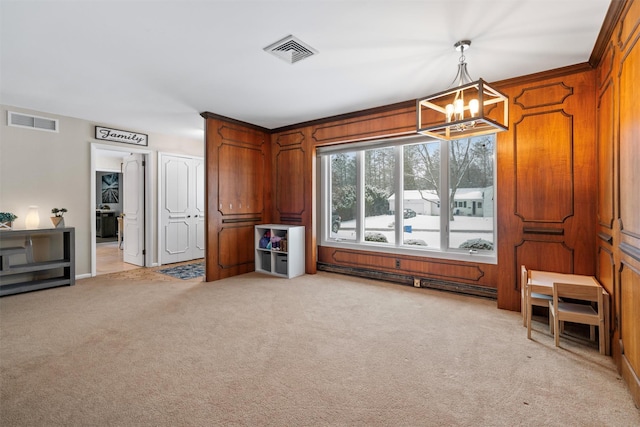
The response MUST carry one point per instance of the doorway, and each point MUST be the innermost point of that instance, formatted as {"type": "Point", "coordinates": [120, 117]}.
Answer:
{"type": "Point", "coordinates": [108, 186]}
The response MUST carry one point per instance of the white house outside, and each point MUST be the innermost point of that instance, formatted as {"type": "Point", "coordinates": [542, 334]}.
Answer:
{"type": "Point", "coordinates": [467, 201]}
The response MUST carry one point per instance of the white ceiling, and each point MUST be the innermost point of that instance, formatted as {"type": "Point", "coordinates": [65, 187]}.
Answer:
{"type": "Point", "coordinates": [154, 66]}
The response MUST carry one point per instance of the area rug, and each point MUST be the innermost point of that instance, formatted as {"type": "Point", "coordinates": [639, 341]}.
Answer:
{"type": "Point", "coordinates": [185, 272]}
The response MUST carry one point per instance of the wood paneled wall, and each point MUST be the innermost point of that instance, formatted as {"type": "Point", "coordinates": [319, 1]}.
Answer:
{"type": "Point", "coordinates": [618, 188]}
{"type": "Point", "coordinates": [238, 193]}
{"type": "Point", "coordinates": [546, 181]}
{"type": "Point", "coordinates": [294, 177]}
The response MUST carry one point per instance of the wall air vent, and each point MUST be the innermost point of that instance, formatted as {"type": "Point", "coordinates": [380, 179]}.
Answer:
{"type": "Point", "coordinates": [32, 122]}
{"type": "Point", "coordinates": [290, 49]}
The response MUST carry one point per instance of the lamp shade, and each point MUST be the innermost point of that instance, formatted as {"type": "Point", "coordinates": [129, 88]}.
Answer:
{"type": "Point", "coordinates": [32, 219]}
{"type": "Point", "coordinates": [445, 115]}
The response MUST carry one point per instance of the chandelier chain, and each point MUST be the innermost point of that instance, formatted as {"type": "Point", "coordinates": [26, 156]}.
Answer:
{"type": "Point", "coordinates": [462, 57]}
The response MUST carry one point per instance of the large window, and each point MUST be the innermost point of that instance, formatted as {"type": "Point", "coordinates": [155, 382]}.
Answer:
{"type": "Point", "coordinates": [446, 204]}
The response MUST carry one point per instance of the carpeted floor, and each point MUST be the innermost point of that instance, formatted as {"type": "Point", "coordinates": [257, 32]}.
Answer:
{"type": "Point", "coordinates": [145, 349]}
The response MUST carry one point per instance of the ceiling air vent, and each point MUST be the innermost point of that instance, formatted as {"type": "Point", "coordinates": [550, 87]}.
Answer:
{"type": "Point", "coordinates": [32, 122]}
{"type": "Point", "coordinates": [290, 49]}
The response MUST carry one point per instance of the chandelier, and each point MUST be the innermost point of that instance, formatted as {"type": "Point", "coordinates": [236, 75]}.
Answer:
{"type": "Point", "coordinates": [470, 108]}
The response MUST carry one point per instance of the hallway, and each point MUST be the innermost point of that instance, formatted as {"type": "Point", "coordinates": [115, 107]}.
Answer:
{"type": "Point", "coordinates": [109, 259]}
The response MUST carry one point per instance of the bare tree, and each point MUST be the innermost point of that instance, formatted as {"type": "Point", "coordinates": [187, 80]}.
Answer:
{"type": "Point", "coordinates": [460, 159]}
{"type": "Point", "coordinates": [463, 155]}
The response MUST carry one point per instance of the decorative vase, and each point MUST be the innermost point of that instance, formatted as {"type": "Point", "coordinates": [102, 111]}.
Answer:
{"type": "Point", "coordinates": [8, 225]}
{"type": "Point", "coordinates": [58, 221]}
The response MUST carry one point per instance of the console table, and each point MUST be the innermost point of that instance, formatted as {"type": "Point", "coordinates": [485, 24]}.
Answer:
{"type": "Point", "coordinates": [53, 266]}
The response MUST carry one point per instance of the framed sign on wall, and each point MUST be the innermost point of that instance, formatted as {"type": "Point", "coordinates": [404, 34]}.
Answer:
{"type": "Point", "coordinates": [116, 135]}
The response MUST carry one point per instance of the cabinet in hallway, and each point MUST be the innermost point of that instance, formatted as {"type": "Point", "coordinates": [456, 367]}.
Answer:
{"type": "Point", "coordinates": [182, 208]}
{"type": "Point", "coordinates": [106, 225]}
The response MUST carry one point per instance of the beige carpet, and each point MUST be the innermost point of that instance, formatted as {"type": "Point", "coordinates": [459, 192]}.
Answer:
{"type": "Point", "coordinates": [144, 349]}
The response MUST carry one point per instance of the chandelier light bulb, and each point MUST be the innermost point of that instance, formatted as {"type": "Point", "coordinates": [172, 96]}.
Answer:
{"type": "Point", "coordinates": [449, 111]}
{"type": "Point", "coordinates": [459, 108]}
{"type": "Point", "coordinates": [474, 107]}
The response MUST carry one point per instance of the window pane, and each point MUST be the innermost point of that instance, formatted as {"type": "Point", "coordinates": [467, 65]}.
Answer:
{"type": "Point", "coordinates": [379, 180]}
{"type": "Point", "coordinates": [421, 216]}
{"type": "Point", "coordinates": [343, 196]}
{"type": "Point", "coordinates": [471, 193]}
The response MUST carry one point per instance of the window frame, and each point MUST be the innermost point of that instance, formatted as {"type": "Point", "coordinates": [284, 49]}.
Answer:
{"type": "Point", "coordinates": [323, 155]}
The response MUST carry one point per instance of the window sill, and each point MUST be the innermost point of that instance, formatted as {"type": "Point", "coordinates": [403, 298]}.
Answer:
{"type": "Point", "coordinates": [479, 257]}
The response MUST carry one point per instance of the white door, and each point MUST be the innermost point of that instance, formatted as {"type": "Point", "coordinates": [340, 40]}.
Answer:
{"type": "Point", "coordinates": [199, 209]}
{"type": "Point", "coordinates": [133, 209]}
{"type": "Point", "coordinates": [181, 208]}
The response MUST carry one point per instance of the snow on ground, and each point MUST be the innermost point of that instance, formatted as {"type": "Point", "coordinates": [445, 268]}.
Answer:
{"type": "Point", "coordinates": [423, 227]}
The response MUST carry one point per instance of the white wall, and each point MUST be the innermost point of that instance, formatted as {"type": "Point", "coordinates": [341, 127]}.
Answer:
{"type": "Point", "coordinates": [50, 170]}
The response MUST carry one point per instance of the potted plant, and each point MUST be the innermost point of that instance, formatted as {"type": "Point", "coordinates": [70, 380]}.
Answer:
{"type": "Point", "coordinates": [58, 217]}
{"type": "Point", "coordinates": [6, 219]}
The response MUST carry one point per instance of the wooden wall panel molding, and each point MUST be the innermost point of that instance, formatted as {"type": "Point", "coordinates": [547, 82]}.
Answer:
{"type": "Point", "coordinates": [606, 156]}
{"type": "Point", "coordinates": [605, 237]}
{"type": "Point", "coordinates": [544, 190]}
{"type": "Point", "coordinates": [629, 321]}
{"type": "Point", "coordinates": [236, 220]}
{"type": "Point", "coordinates": [556, 73]}
{"type": "Point", "coordinates": [543, 255]}
{"type": "Point", "coordinates": [240, 191]}
{"type": "Point", "coordinates": [605, 71]}
{"type": "Point", "coordinates": [291, 138]}
{"type": "Point", "coordinates": [217, 118]}
{"type": "Point", "coordinates": [233, 255]}
{"type": "Point", "coordinates": [605, 273]}
{"type": "Point", "coordinates": [629, 24]}
{"type": "Point", "coordinates": [543, 95]}
{"type": "Point", "coordinates": [239, 136]}
{"type": "Point", "coordinates": [629, 135]}
{"type": "Point", "coordinates": [402, 122]}
{"type": "Point", "coordinates": [606, 270]}
{"type": "Point", "coordinates": [290, 182]}
{"type": "Point", "coordinates": [544, 230]}
{"type": "Point", "coordinates": [631, 251]}
{"type": "Point", "coordinates": [450, 270]}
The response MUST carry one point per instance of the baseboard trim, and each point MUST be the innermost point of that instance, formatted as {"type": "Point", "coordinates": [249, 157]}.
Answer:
{"type": "Point", "coordinates": [632, 380]}
{"type": "Point", "coordinates": [403, 279]}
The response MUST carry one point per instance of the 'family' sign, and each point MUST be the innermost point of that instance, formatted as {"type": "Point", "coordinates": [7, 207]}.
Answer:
{"type": "Point", "coordinates": [116, 135]}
